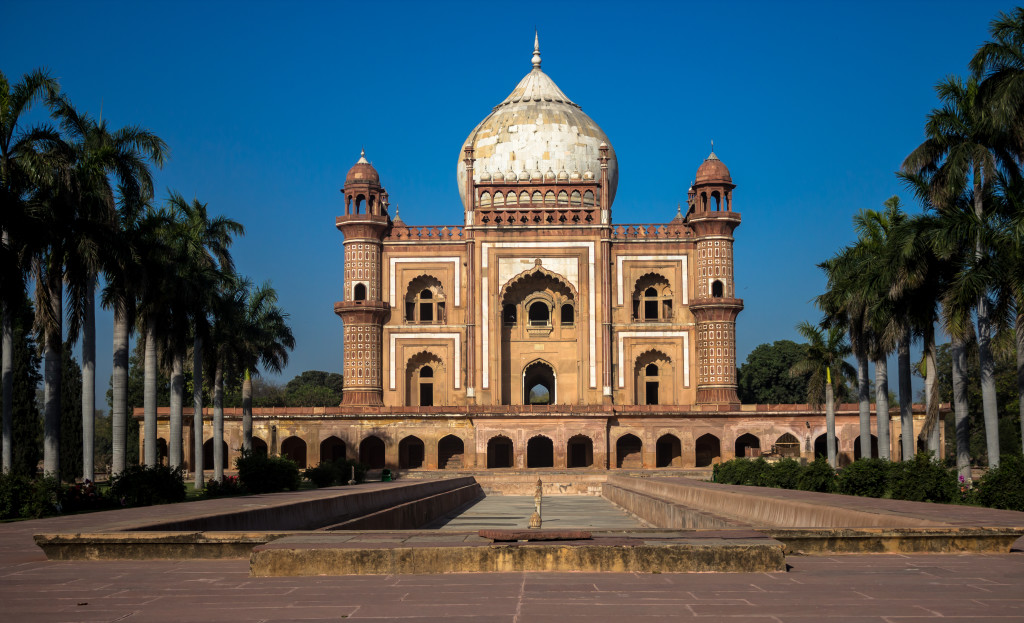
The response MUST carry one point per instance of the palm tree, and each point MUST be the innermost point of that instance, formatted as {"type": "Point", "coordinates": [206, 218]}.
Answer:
{"type": "Point", "coordinates": [962, 151]}
{"type": "Point", "coordinates": [227, 310]}
{"type": "Point", "coordinates": [102, 240]}
{"type": "Point", "coordinates": [263, 340]}
{"type": "Point", "coordinates": [17, 150]}
{"type": "Point", "coordinates": [206, 261]}
{"type": "Point", "coordinates": [826, 353]}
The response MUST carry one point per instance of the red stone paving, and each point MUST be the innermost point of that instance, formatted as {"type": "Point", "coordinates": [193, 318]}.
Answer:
{"type": "Point", "coordinates": [889, 588]}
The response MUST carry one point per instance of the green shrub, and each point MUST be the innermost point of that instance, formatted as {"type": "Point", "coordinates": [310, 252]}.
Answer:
{"type": "Point", "coordinates": [345, 468]}
{"type": "Point", "coordinates": [786, 473]}
{"type": "Point", "coordinates": [260, 473]}
{"type": "Point", "coordinates": [922, 480]}
{"type": "Point", "coordinates": [323, 475]}
{"type": "Point", "coordinates": [229, 486]}
{"type": "Point", "coordinates": [817, 476]}
{"type": "Point", "coordinates": [866, 477]}
{"type": "Point", "coordinates": [43, 499]}
{"type": "Point", "coordinates": [14, 491]}
{"type": "Point", "coordinates": [1003, 487]}
{"type": "Point", "coordinates": [82, 497]}
{"type": "Point", "coordinates": [139, 485]}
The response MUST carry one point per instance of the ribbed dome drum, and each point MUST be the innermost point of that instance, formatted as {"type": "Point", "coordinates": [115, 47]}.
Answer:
{"type": "Point", "coordinates": [537, 128]}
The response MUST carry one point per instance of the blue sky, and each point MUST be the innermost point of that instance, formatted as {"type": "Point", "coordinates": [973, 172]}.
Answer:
{"type": "Point", "coordinates": [265, 106]}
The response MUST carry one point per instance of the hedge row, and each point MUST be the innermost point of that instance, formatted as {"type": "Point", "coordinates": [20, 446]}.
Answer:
{"type": "Point", "coordinates": [920, 479]}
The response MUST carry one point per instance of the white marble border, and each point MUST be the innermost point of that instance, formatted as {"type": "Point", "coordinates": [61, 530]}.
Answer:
{"type": "Point", "coordinates": [643, 258]}
{"type": "Point", "coordinates": [425, 260]}
{"type": "Point", "coordinates": [590, 299]}
{"type": "Point", "coordinates": [456, 337]}
{"type": "Point", "coordinates": [686, 351]}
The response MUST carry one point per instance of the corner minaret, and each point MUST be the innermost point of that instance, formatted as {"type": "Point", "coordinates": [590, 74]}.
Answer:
{"type": "Point", "coordinates": [363, 311]}
{"type": "Point", "coordinates": [715, 305]}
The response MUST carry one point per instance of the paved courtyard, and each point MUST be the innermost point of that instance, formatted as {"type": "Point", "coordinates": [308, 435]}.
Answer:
{"type": "Point", "coordinates": [877, 588]}
{"type": "Point", "coordinates": [567, 511]}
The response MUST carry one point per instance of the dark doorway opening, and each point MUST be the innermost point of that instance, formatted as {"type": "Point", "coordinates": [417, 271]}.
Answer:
{"type": "Point", "coordinates": [580, 452]}
{"type": "Point", "coordinates": [449, 452]}
{"type": "Point", "coordinates": [540, 452]}
{"type": "Point", "coordinates": [410, 453]}
{"type": "Point", "coordinates": [669, 452]}
{"type": "Point", "coordinates": [295, 449]}
{"type": "Point", "coordinates": [371, 452]}
{"type": "Point", "coordinates": [539, 384]}
{"type": "Point", "coordinates": [499, 452]}
{"type": "Point", "coordinates": [629, 452]}
{"type": "Point", "coordinates": [708, 448]}
{"type": "Point", "coordinates": [332, 449]}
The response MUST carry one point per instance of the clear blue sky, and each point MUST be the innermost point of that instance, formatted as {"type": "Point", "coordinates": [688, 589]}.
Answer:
{"type": "Point", "coordinates": [265, 105]}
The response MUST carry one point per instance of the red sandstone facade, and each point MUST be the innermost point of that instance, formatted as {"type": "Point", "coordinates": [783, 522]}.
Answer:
{"type": "Point", "coordinates": [538, 332]}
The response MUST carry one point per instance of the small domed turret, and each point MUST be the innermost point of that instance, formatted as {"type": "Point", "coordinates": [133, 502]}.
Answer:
{"type": "Point", "coordinates": [713, 171]}
{"type": "Point", "coordinates": [362, 171]}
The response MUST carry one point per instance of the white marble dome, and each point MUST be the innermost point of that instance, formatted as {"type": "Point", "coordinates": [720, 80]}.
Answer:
{"type": "Point", "coordinates": [538, 128]}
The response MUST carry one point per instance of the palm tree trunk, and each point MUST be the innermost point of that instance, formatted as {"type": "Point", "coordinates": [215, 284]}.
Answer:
{"type": "Point", "coordinates": [963, 422]}
{"type": "Point", "coordinates": [864, 404]}
{"type": "Point", "coordinates": [149, 395]}
{"type": "Point", "coordinates": [906, 404]}
{"type": "Point", "coordinates": [218, 422]}
{"type": "Point", "coordinates": [197, 411]}
{"type": "Point", "coordinates": [175, 416]}
{"type": "Point", "coordinates": [989, 405]}
{"type": "Point", "coordinates": [52, 376]}
{"type": "Point", "coordinates": [1020, 364]}
{"type": "Point", "coordinates": [882, 406]}
{"type": "Point", "coordinates": [931, 394]}
{"type": "Point", "coordinates": [830, 423]}
{"type": "Point", "coordinates": [8, 387]}
{"type": "Point", "coordinates": [119, 382]}
{"type": "Point", "coordinates": [89, 383]}
{"type": "Point", "coordinates": [247, 411]}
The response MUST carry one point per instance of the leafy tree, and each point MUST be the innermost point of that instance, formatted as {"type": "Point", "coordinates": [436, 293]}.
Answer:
{"type": "Point", "coordinates": [314, 388]}
{"type": "Point", "coordinates": [765, 379]}
{"type": "Point", "coordinates": [70, 417]}
{"type": "Point", "coordinates": [26, 433]}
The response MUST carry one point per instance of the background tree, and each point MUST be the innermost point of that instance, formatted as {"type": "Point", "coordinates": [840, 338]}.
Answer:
{"type": "Point", "coordinates": [826, 369]}
{"type": "Point", "coordinates": [765, 376]}
{"type": "Point", "coordinates": [315, 388]}
{"type": "Point", "coordinates": [26, 425]}
{"type": "Point", "coordinates": [70, 417]}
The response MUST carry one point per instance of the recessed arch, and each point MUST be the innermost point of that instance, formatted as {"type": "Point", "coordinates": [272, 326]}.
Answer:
{"type": "Point", "coordinates": [668, 451]}
{"type": "Point", "coordinates": [746, 443]}
{"type": "Point", "coordinates": [208, 453]}
{"type": "Point", "coordinates": [295, 449]}
{"type": "Point", "coordinates": [450, 452]}
{"type": "Point", "coordinates": [788, 445]}
{"type": "Point", "coordinates": [534, 279]}
{"type": "Point", "coordinates": [359, 292]}
{"type": "Point", "coordinates": [652, 298]}
{"type": "Point", "coordinates": [411, 452]}
{"type": "Point", "coordinates": [424, 378]}
{"type": "Point", "coordinates": [499, 452]}
{"type": "Point", "coordinates": [579, 452]}
{"type": "Point", "coordinates": [629, 452]}
{"type": "Point", "coordinates": [259, 446]}
{"type": "Point", "coordinates": [653, 373]}
{"type": "Point", "coordinates": [332, 449]}
{"type": "Point", "coordinates": [425, 301]}
{"type": "Point", "coordinates": [539, 383]}
{"type": "Point", "coordinates": [371, 452]}
{"type": "Point", "coordinates": [821, 446]}
{"type": "Point", "coordinates": [540, 452]}
{"type": "Point", "coordinates": [708, 450]}
{"type": "Point", "coordinates": [857, 451]}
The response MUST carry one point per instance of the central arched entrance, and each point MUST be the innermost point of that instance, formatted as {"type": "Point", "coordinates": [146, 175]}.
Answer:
{"type": "Point", "coordinates": [540, 452]}
{"type": "Point", "coordinates": [371, 452]}
{"type": "Point", "coordinates": [629, 452]}
{"type": "Point", "coordinates": [579, 452]}
{"type": "Point", "coordinates": [499, 452]}
{"type": "Point", "coordinates": [539, 384]}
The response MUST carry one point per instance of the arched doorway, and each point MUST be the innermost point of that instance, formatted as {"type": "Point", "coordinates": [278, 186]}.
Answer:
{"type": "Point", "coordinates": [410, 453]}
{"type": "Point", "coordinates": [499, 452]}
{"type": "Point", "coordinates": [653, 375]}
{"type": "Point", "coordinates": [295, 449]}
{"type": "Point", "coordinates": [668, 451]}
{"type": "Point", "coordinates": [161, 451]}
{"type": "Point", "coordinates": [539, 384]}
{"type": "Point", "coordinates": [259, 446]}
{"type": "Point", "coordinates": [579, 452]}
{"type": "Point", "coordinates": [748, 445]}
{"type": "Point", "coordinates": [708, 450]}
{"type": "Point", "coordinates": [821, 446]}
{"type": "Point", "coordinates": [208, 453]}
{"type": "Point", "coordinates": [540, 452]}
{"type": "Point", "coordinates": [788, 446]}
{"type": "Point", "coordinates": [332, 449]}
{"type": "Point", "coordinates": [423, 378]}
{"type": "Point", "coordinates": [450, 452]}
{"type": "Point", "coordinates": [629, 452]}
{"type": "Point", "coordinates": [874, 448]}
{"type": "Point", "coordinates": [371, 452]}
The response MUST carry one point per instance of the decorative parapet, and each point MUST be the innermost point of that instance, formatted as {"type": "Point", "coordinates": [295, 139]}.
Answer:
{"type": "Point", "coordinates": [642, 231]}
{"type": "Point", "coordinates": [427, 232]}
{"type": "Point", "coordinates": [539, 216]}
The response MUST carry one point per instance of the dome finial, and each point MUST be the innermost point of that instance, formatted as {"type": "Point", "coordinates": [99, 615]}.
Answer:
{"type": "Point", "coordinates": [536, 49]}
{"type": "Point", "coordinates": [362, 156]}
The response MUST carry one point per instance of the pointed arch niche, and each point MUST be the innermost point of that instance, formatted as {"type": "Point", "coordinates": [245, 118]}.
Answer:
{"type": "Point", "coordinates": [653, 373]}
{"type": "Point", "coordinates": [424, 380]}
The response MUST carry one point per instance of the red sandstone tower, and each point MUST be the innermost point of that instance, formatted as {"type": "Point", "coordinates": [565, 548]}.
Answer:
{"type": "Point", "coordinates": [363, 311]}
{"type": "Point", "coordinates": [715, 305]}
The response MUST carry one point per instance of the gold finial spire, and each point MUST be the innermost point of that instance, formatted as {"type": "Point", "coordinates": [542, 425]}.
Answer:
{"type": "Point", "coordinates": [362, 156]}
{"type": "Point", "coordinates": [536, 49]}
